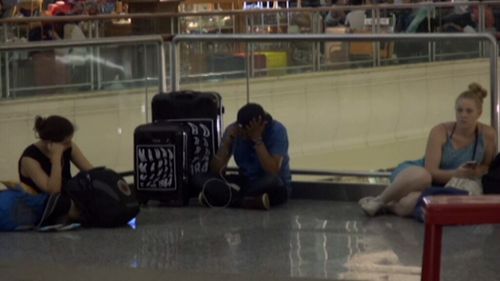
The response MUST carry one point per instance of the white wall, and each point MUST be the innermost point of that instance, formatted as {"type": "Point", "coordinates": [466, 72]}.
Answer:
{"type": "Point", "coordinates": [353, 119]}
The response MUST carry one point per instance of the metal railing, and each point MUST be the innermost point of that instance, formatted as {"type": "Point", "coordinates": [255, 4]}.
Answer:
{"type": "Point", "coordinates": [132, 40]}
{"type": "Point", "coordinates": [375, 10]}
{"type": "Point", "coordinates": [315, 25]}
{"type": "Point", "coordinates": [174, 58]}
{"type": "Point", "coordinates": [245, 38]}
{"type": "Point", "coordinates": [301, 172]}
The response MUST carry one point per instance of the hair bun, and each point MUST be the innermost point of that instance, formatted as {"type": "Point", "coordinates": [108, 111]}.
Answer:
{"type": "Point", "coordinates": [39, 123]}
{"type": "Point", "coordinates": [478, 90]}
{"type": "Point", "coordinates": [53, 128]}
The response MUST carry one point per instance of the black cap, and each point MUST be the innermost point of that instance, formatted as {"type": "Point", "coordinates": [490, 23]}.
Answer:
{"type": "Point", "coordinates": [249, 112]}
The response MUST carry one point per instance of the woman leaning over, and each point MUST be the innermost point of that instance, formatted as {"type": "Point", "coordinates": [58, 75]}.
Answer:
{"type": "Point", "coordinates": [45, 165]}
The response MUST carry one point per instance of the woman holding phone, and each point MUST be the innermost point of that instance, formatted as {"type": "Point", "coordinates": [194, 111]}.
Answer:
{"type": "Point", "coordinates": [462, 148]}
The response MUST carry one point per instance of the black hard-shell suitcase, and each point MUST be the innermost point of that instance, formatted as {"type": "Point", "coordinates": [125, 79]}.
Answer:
{"type": "Point", "coordinates": [202, 112]}
{"type": "Point", "coordinates": [161, 157]}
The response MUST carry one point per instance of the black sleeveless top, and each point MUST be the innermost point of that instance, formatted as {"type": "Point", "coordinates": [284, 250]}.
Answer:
{"type": "Point", "coordinates": [34, 152]}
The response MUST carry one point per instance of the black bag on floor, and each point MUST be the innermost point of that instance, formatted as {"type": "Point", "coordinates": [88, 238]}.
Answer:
{"type": "Point", "coordinates": [202, 112]}
{"type": "Point", "coordinates": [491, 181]}
{"type": "Point", "coordinates": [161, 156]}
{"type": "Point", "coordinates": [103, 197]}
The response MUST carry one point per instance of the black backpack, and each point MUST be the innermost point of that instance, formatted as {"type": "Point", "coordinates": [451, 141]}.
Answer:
{"type": "Point", "coordinates": [491, 181]}
{"type": "Point", "coordinates": [103, 197]}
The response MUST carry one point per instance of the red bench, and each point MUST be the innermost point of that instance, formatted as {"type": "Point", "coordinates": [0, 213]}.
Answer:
{"type": "Point", "coordinates": [452, 210]}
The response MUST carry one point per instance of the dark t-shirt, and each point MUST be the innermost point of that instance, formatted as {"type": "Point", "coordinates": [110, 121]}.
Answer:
{"type": "Point", "coordinates": [34, 152]}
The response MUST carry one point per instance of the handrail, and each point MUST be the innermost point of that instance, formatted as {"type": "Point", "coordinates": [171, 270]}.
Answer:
{"type": "Point", "coordinates": [18, 46]}
{"type": "Point", "coordinates": [305, 172]}
{"type": "Point", "coordinates": [341, 173]}
{"type": "Point", "coordinates": [495, 106]}
{"type": "Point", "coordinates": [128, 40]}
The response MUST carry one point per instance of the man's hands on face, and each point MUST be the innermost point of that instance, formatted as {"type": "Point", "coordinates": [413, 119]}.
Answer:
{"type": "Point", "coordinates": [233, 131]}
{"type": "Point", "coordinates": [256, 128]}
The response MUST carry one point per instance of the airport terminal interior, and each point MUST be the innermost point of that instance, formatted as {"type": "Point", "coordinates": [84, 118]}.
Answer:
{"type": "Point", "coordinates": [356, 102]}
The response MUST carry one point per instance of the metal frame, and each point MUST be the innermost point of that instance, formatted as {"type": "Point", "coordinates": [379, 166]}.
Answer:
{"type": "Point", "coordinates": [95, 77]}
{"type": "Point", "coordinates": [308, 173]}
{"type": "Point", "coordinates": [495, 106]}
{"type": "Point", "coordinates": [129, 40]}
{"type": "Point", "coordinates": [303, 172]}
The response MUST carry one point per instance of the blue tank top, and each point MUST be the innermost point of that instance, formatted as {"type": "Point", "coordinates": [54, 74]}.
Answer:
{"type": "Point", "coordinates": [452, 158]}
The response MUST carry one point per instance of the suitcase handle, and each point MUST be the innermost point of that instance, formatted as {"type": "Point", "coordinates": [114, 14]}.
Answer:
{"type": "Point", "coordinates": [185, 95]}
{"type": "Point", "coordinates": [191, 96]}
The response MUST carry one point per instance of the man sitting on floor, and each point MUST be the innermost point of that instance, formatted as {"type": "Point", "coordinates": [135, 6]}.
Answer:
{"type": "Point", "coordinates": [260, 148]}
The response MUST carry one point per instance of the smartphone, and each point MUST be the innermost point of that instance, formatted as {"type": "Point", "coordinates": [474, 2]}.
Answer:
{"type": "Point", "coordinates": [470, 164]}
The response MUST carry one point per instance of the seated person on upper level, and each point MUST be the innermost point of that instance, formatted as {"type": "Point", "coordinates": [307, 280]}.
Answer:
{"type": "Point", "coordinates": [449, 147]}
{"type": "Point", "coordinates": [260, 148]}
{"type": "Point", "coordinates": [457, 18]}
{"type": "Point", "coordinates": [45, 165]}
{"type": "Point", "coordinates": [335, 17]}
{"type": "Point", "coordinates": [2, 9]}
{"type": "Point", "coordinates": [422, 20]}
{"type": "Point", "coordinates": [469, 21]}
{"type": "Point", "coordinates": [355, 19]}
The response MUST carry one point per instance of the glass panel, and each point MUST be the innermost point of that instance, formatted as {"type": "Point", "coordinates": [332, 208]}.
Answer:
{"type": "Point", "coordinates": [43, 72]}
{"type": "Point", "coordinates": [105, 124]}
{"type": "Point", "coordinates": [105, 116]}
{"type": "Point", "coordinates": [343, 114]}
{"type": "Point", "coordinates": [351, 119]}
{"type": "Point", "coordinates": [80, 69]}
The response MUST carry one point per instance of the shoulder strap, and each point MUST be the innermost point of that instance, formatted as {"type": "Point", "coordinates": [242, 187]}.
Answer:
{"type": "Point", "coordinates": [453, 130]}
{"type": "Point", "coordinates": [475, 142]}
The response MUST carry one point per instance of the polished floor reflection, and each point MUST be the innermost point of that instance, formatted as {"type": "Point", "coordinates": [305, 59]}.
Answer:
{"type": "Point", "coordinates": [306, 239]}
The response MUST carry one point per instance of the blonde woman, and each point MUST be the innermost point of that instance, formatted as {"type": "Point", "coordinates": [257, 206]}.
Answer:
{"type": "Point", "coordinates": [461, 148]}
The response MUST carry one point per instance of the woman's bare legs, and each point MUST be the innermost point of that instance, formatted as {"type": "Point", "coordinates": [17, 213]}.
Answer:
{"type": "Point", "coordinates": [406, 205]}
{"type": "Point", "coordinates": [411, 180]}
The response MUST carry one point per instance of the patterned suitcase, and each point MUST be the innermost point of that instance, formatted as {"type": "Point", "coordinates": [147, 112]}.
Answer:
{"type": "Point", "coordinates": [202, 113]}
{"type": "Point", "coordinates": [161, 157]}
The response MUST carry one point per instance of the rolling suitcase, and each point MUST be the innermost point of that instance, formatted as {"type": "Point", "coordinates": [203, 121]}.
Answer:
{"type": "Point", "coordinates": [161, 157]}
{"type": "Point", "coordinates": [202, 113]}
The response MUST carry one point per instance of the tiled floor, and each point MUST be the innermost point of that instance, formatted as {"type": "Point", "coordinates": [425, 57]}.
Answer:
{"type": "Point", "coordinates": [303, 240]}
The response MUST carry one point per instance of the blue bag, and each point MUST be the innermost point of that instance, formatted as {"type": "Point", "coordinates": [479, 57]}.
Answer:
{"type": "Point", "coordinates": [20, 210]}
{"type": "Point", "coordinates": [419, 213]}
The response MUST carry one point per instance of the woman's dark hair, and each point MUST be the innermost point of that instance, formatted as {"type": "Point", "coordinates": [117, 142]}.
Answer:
{"type": "Point", "coordinates": [53, 128]}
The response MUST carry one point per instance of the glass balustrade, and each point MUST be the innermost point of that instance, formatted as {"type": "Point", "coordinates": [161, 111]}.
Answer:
{"type": "Point", "coordinates": [95, 89]}
{"type": "Point", "coordinates": [348, 105]}
{"type": "Point", "coordinates": [347, 119]}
